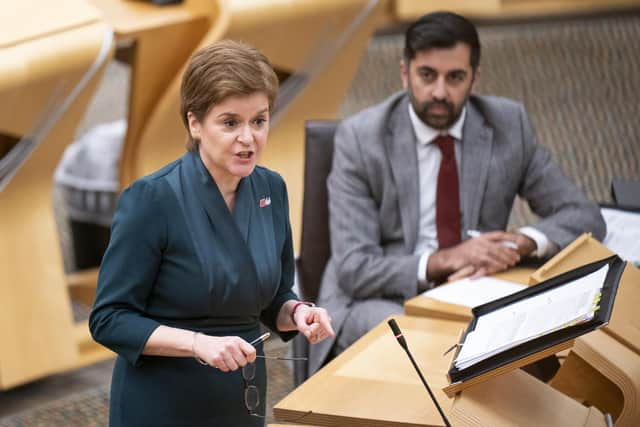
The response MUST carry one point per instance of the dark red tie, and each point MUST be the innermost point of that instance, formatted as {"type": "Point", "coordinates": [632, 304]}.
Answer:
{"type": "Point", "coordinates": [447, 195]}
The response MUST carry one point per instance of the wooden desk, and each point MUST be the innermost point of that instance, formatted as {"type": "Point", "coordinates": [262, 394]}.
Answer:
{"type": "Point", "coordinates": [603, 368]}
{"type": "Point", "coordinates": [624, 325]}
{"type": "Point", "coordinates": [517, 398]}
{"type": "Point", "coordinates": [374, 384]}
{"type": "Point", "coordinates": [423, 306]}
{"type": "Point", "coordinates": [603, 372]}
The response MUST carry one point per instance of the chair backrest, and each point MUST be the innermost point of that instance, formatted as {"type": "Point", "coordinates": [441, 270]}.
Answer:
{"type": "Point", "coordinates": [315, 248]}
{"type": "Point", "coordinates": [626, 193]}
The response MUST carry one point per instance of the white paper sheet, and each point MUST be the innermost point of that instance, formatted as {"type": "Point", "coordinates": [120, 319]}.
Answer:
{"type": "Point", "coordinates": [623, 233]}
{"type": "Point", "coordinates": [524, 320]}
{"type": "Point", "coordinates": [472, 293]}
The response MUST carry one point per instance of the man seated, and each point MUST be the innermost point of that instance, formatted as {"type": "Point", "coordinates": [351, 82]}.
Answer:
{"type": "Point", "coordinates": [422, 187]}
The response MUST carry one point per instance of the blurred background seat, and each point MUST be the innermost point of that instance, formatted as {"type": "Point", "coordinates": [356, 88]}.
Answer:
{"type": "Point", "coordinates": [315, 242]}
{"type": "Point", "coordinates": [51, 63]}
{"type": "Point", "coordinates": [626, 192]}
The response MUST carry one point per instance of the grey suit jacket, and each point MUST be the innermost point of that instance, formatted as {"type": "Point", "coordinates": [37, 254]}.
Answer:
{"type": "Point", "coordinates": [373, 197]}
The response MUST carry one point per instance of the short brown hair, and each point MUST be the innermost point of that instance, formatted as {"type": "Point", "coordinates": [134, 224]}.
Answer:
{"type": "Point", "coordinates": [222, 69]}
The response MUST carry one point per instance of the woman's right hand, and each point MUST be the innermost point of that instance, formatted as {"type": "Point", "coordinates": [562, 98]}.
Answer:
{"type": "Point", "coordinates": [224, 353]}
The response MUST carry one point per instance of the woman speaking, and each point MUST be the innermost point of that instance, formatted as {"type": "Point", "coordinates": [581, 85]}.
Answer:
{"type": "Point", "coordinates": [200, 254]}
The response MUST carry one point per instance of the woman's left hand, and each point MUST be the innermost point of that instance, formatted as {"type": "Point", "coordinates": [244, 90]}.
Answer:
{"type": "Point", "coordinates": [314, 323]}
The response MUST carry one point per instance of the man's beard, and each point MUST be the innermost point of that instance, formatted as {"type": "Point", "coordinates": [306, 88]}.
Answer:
{"type": "Point", "coordinates": [439, 121]}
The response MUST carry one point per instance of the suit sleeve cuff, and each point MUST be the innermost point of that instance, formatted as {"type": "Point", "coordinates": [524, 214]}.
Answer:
{"type": "Point", "coordinates": [544, 246]}
{"type": "Point", "coordinates": [423, 283]}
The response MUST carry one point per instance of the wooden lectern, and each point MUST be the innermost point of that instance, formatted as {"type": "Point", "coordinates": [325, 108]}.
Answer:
{"type": "Point", "coordinates": [602, 372]}
{"type": "Point", "coordinates": [603, 368]}
{"type": "Point", "coordinates": [517, 398]}
{"type": "Point", "coordinates": [624, 325]}
{"type": "Point", "coordinates": [374, 384]}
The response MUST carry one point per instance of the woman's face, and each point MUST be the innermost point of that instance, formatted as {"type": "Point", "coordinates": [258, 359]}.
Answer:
{"type": "Point", "coordinates": [232, 136]}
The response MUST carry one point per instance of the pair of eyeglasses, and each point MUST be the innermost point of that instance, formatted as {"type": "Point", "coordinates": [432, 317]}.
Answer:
{"type": "Point", "coordinates": [251, 394]}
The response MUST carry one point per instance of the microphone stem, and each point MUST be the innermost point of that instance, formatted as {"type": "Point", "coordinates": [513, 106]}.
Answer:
{"type": "Point", "coordinates": [444, 418]}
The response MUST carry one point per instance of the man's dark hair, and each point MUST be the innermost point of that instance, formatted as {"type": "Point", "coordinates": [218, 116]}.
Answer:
{"type": "Point", "coordinates": [441, 30]}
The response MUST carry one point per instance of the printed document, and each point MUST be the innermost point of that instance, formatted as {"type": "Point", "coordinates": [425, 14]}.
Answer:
{"type": "Point", "coordinates": [474, 292]}
{"type": "Point", "coordinates": [623, 233]}
{"type": "Point", "coordinates": [504, 328]}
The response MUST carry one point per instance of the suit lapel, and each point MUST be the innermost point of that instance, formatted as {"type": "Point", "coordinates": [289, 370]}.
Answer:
{"type": "Point", "coordinates": [400, 142]}
{"type": "Point", "coordinates": [477, 143]}
{"type": "Point", "coordinates": [254, 214]}
{"type": "Point", "coordinates": [244, 206]}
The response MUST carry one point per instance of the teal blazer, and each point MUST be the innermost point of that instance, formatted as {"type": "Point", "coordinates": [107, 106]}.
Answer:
{"type": "Point", "coordinates": [179, 257]}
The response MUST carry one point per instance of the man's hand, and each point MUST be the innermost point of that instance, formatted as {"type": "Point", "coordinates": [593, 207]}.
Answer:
{"type": "Point", "coordinates": [486, 254]}
{"type": "Point", "coordinates": [526, 245]}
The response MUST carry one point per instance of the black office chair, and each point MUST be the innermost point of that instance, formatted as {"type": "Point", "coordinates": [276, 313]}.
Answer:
{"type": "Point", "coordinates": [626, 193]}
{"type": "Point", "coordinates": [315, 248]}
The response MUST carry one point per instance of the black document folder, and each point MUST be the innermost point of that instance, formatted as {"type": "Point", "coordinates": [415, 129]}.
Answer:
{"type": "Point", "coordinates": [540, 345]}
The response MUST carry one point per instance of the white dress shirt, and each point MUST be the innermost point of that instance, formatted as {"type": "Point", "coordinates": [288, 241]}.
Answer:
{"type": "Point", "coordinates": [429, 156]}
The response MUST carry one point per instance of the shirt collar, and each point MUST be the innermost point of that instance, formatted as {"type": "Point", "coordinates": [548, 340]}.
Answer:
{"type": "Point", "coordinates": [426, 134]}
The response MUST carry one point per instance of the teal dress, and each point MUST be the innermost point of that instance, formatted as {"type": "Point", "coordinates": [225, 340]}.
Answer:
{"type": "Point", "coordinates": [178, 257]}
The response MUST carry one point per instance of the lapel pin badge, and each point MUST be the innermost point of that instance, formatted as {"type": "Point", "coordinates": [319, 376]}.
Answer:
{"type": "Point", "coordinates": [265, 201]}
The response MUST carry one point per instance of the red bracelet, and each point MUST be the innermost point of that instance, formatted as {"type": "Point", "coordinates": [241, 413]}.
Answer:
{"type": "Point", "coordinates": [298, 304]}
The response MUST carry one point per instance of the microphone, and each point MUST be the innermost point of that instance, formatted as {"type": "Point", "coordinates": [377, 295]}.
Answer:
{"type": "Point", "coordinates": [403, 343]}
